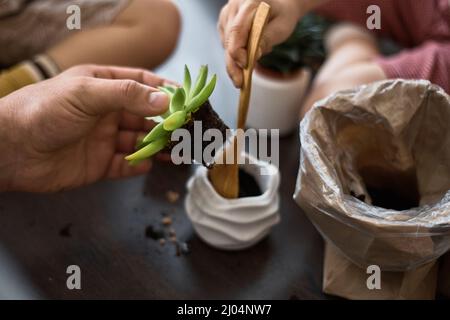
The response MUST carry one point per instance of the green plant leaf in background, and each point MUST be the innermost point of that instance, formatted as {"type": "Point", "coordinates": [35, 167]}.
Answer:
{"type": "Point", "coordinates": [304, 48]}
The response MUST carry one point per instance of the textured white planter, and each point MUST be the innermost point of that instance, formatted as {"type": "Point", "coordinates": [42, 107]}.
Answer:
{"type": "Point", "coordinates": [233, 224]}
{"type": "Point", "coordinates": [275, 103]}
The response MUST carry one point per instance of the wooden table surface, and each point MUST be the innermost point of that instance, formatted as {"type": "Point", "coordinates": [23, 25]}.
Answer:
{"type": "Point", "coordinates": [101, 228]}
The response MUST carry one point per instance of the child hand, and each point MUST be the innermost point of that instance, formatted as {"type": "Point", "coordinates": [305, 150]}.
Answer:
{"type": "Point", "coordinates": [235, 22]}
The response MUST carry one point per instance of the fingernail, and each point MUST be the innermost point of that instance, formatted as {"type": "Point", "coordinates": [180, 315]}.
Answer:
{"type": "Point", "coordinates": [236, 82]}
{"type": "Point", "coordinates": [159, 100]}
{"type": "Point", "coordinates": [233, 80]}
{"type": "Point", "coordinates": [171, 83]}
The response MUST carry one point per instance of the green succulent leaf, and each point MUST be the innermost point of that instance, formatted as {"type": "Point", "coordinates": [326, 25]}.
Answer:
{"type": "Point", "coordinates": [139, 143]}
{"type": "Point", "coordinates": [169, 90]}
{"type": "Point", "coordinates": [183, 101]}
{"type": "Point", "coordinates": [177, 101]}
{"type": "Point", "coordinates": [200, 82]}
{"type": "Point", "coordinates": [148, 151]}
{"type": "Point", "coordinates": [202, 96]}
{"type": "Point", "coordinates": [156, 133]}
{"type": "Point", "coordinates": [159, 118]}
{"type": "Point", "coordinates": [135, 162]}
{"type": "Point", "coordinates": [175, 120]}
{"type": "Point", "coordinates": [187, 81]}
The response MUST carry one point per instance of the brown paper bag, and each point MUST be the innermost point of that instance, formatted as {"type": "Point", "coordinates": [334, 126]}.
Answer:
{"type": "Point", "coordinates": [374, 174]}
{"type": "Point", "coordinates": [444, 276]}
{"type": "Point", "coordinates": [344, 279]}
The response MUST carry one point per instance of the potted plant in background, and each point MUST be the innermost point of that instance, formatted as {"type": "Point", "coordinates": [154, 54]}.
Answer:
{"type": "Point", "coordinates": [282, 77]}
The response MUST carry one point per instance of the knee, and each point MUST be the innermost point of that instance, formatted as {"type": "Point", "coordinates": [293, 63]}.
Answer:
{"type": "Point", "coordinates": [165, 24]}
{"type": "Point", "coordinates": [351, 77]}
{"type": "Point", "coordinates": [157, 25]}
{"type": "Point", "coordinates": [317, 91]}
{"type": "Point", "coordinates": [344, 33]}
{"type": "Point", "coordinates": [321, 88]}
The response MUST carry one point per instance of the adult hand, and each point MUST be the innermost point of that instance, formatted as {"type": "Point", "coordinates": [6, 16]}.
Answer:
{"type": "Point", "coordinates": [76, 128]}
{"type": "Point", "coordinates": [234, 26]}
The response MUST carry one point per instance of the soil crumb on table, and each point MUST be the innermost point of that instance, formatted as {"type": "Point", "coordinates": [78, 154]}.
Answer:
{"type": "Point", "coordinates": [166, 221]}
{"type": "Point", "coordinates": [172, 196]}
{"type": "Point", "coordinates": [166, 235]}
{"type": "Point", "coordinates": [154, 233]}
{"type": "Point", "coordinates": [182, 248]}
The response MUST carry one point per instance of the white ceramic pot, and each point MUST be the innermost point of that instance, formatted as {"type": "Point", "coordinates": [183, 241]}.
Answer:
{"type": "Point", "coordinates": [275, 102]}
{"type": "Point", "coordinates": [234, 224]}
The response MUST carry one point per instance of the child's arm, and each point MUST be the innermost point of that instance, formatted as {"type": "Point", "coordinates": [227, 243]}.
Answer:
{"type": "Point", "coordinates": [235, 22]}
{"type": "Point", "coordinates": [430, 61]}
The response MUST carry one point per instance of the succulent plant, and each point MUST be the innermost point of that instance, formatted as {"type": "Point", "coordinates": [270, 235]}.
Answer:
{"type": "Point", "coordinates": [184, 102]}
{"type": "Point", "coordinates": [303, 48]}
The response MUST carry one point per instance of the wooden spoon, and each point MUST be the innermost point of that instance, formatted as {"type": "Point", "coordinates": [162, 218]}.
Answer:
{"type": "Point", "coordinates": [223, 176]}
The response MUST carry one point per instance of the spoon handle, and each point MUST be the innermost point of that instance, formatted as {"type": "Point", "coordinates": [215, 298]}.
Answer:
{"type": "Point", "coordinates": [259, 22]}
{"type": "Point", "coordinates": [225, 177]}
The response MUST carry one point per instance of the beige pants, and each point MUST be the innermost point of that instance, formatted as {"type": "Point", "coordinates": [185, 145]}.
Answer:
{"type": "Point", "coordinates": [30, 27]}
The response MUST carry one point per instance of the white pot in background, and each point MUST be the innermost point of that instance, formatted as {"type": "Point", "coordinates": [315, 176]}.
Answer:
{"type": "Point", "coordinates": [234, 224]}
{"type": "Point", "coordinates": [275, 102]}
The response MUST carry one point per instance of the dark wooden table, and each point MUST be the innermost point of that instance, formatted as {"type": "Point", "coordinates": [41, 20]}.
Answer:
{"type": "Point", "coordinates": [102, 227]}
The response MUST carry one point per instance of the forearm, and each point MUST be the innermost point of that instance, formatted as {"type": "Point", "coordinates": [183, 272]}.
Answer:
{"type": "Point", "coordinates": [430, 61]}
{"type": "Point", "coordinates": [7, 146]}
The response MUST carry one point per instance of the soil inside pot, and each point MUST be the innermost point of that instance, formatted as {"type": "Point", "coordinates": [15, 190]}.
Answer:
{"type": "Point", "coordinates": [390, 189]}
{"type": "Point", "coordinates": [248, 187]}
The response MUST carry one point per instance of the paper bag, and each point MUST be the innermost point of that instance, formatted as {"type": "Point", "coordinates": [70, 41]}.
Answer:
{"type": "Point", "coordinates": [343, 278]}
{"type": "Point", "coordinates": [444, 276]}
{"type": "Point", "coordinates": [374, 175]}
